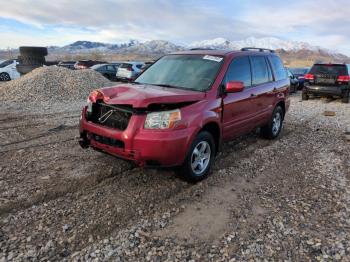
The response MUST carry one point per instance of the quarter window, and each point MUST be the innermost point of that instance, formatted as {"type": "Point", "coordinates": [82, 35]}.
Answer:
{"type": "Point", "coordinates": [260, 70]}
{"type": "Point", "coordinates": [278, 68]}
{"type": "Point", "coordinates": [239, 70]}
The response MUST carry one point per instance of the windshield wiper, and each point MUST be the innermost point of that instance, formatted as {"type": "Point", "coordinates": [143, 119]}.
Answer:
{"type": "Point", "coordinates": [170, 86]}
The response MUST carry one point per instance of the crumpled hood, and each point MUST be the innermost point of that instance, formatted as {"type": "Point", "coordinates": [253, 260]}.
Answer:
{"type": "Point", "coordinates": [141, 96]}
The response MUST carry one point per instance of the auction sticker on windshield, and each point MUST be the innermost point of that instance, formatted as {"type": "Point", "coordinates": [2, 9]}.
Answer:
{"type": "Point", "coordinates": [213, 58]}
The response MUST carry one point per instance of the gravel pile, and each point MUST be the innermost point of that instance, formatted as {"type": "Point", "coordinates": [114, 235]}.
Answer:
{"type": "Point", "coordinates": [52, 84]}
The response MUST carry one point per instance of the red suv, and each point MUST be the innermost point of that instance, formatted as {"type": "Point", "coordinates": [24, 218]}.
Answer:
{"type": "Point", "coordinates": [179, 111]}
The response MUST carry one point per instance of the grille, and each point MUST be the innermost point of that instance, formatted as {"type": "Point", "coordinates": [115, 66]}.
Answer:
{"type": "Point", "coordinates": [111, 116]}
{"type": "Point", "coordinates": [107, 141]}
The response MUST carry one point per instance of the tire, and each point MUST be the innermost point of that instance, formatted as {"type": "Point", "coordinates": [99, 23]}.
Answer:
{"type": "Point", "coordinates": [24, 69]}
{"type": "Point", "coordinates": [345, 97]}
{"type": "Point", "coordinates": [304, 96]}
{"type": "Point", "coordinates": [274, 127]}
{"type": "Point", "coordinates": [33, 50]}
{"type": "Point", "coordinates": [5, 77]}
{"type": "Point", "coordinates": [293, 89]}
{"type": "Point", "coordinates": [191, 171]}
{"type": "Point", "coordinates": [32, 60]}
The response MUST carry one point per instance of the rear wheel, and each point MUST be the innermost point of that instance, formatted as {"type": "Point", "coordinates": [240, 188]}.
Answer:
{"type": "Point", "coordinates": [345, 97]}
{"type": "Point", "coordinates": [5, 77]}
{"type": "Point", "coordinates": [274, 127]}
{"type": "Point", "coordinates": [304, 96]}
{"type": "Point", "coordinates": [199, 158]}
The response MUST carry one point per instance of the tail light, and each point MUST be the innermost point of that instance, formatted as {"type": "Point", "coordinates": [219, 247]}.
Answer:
{"type": "Point", "coordinates": [309, 77]}
{"type": "Point", "coordinates": [343, 78]}
{"type": "Point", "coordinates": [130, 69]}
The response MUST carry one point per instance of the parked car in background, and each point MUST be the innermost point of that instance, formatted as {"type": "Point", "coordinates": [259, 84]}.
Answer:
{"type": "Point", "coordinates": [67, 64]}
{"type": "Point", "coordinates": [180, 110]}
{"type": "Point", "coordinates": [107, 70]}
{"type": "Point", "coordinates": [128, 71]}
{"type": "Point", "coordinates": [294, 82]}
{"type": "Point", "coordinates": [8, 70]}
{"type": "Point", "coordinates": [144, 67]}
{"type": "Point", "coordinates": [328, 80]}
{"type": "Point", "coordinates": [299, 73]}
{"type": "Point", "coordinates": [84, 64]}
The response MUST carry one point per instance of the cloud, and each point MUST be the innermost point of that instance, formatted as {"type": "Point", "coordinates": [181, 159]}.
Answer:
{"type": "Point", "coordinates": [319, 22]}
{"type": "Point", "coordinates": [178, 20]}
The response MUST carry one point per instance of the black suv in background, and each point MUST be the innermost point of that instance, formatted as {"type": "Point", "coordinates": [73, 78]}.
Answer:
{"type": "Point", "coordinates": [328, 80]}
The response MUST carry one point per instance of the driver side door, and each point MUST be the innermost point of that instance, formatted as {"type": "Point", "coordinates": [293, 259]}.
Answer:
{"type": "Point", "coordinates": [239, 109]}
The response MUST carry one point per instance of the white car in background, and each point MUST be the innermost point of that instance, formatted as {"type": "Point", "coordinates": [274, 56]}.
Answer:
{"type": "Point", "coordinates": [129, 70]}
{"type": "Point", "coordinates": [8, 70]}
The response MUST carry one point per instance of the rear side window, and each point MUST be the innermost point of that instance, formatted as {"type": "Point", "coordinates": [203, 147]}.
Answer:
{"type": "Point", "coordinates": [260, 70]}
{"type": "Point", "coordinates": [129, 66]}
{"type": "Point", "coordinates": [278, 68]}
{"type": "Point", "coordinates": [239, 70]}
{"type": "Point", "coordinates": [337, 70]}
{"type": "Point", "coordinates": [110, 68]}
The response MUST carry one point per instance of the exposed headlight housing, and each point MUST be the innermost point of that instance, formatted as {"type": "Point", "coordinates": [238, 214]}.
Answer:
{"type": "Point", "coordinates": [162, 120]}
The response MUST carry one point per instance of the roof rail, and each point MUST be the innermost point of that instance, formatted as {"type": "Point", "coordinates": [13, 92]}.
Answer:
{"type": "Point", "coordinates": [257, 49]}
{"type": "Point", "coordinates": [201, 48]}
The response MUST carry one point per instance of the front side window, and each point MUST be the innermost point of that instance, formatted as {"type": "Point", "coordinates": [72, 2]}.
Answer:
{"type": "Point", "coordinates": [239, 70]}
{"type": "Point", "coordinates": [278, 68]}
{"type": "Point", "coordinates": [193, 72]}
{"type": "Point", "coordinates": [260, 70]}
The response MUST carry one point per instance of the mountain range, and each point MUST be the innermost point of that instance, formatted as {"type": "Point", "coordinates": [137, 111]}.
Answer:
{"type": "Point", "coordinates": [162, 46]}
{"type": "Point", "coordinates": [133, 49]}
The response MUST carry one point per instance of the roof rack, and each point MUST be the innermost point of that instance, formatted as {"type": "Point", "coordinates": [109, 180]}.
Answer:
{"type": "Point", "coordinates": [201, 48]}
{"type": "Point", "coordinates": [257, 49]}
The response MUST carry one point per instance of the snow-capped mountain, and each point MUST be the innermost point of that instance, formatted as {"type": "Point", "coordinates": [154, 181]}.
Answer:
{"type": "Point", "coordinates": [88, 46]}
{"type": "Point", "coordinates": [163, 47]}
{"type": "Point", "coordinates": [265, 42]}
{"type": "Point", "coordinates": [152, 47]}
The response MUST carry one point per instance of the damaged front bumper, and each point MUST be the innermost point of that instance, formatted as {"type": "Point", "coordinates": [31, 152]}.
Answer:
{"type": "Point", "coordinates": [144, 147]}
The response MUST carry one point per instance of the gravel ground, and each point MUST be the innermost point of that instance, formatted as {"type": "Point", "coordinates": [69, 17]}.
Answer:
{"type": "Point", "coordinates": [287, 199]}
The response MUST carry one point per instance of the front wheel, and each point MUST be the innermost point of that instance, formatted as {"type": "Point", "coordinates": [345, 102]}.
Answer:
{"type": "Point", "coordinates": [199, 158]}
{"type": "Point", "coordinates": [5, 77]}
{"type": "Point", "coordinates": [274, 127]}
{"type": "Point", "coordinates": [304, 96]}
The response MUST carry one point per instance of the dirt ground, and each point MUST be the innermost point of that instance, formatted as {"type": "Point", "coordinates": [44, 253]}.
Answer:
{"type": "Point", "coordinates": [287, 199]}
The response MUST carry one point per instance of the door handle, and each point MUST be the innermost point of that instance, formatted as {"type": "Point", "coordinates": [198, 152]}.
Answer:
{"type": "Point", "coordinates": [253, 95]}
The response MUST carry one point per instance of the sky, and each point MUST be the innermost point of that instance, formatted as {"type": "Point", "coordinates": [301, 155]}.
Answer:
{"type": "Point", "coordinates": [322, 23]}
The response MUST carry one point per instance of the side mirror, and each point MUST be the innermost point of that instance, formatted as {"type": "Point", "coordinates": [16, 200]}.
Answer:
{"type": "Point", "coordinates": [234, 87]}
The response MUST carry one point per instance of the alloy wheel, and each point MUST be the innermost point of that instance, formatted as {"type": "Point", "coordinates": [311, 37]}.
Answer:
{"type": "Point", "coordinates": [276, 123]}
{"type": "Point", "coordinates": [200, 157]}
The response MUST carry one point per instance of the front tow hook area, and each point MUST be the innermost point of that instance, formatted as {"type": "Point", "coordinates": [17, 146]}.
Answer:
{"type": "Point", "coordinates": [83, 141]}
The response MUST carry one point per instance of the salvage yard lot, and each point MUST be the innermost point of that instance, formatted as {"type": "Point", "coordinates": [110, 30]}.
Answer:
{"type": "Point", "coordinates": [283, 199]}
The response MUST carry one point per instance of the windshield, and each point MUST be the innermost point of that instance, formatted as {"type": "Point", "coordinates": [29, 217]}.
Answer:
{"type": "Point", "coordinates": [6, 63]}
{"type": "Point", "coordinates": [299, 71]}
{"type": "Point", "coordinates": [193, 72]}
